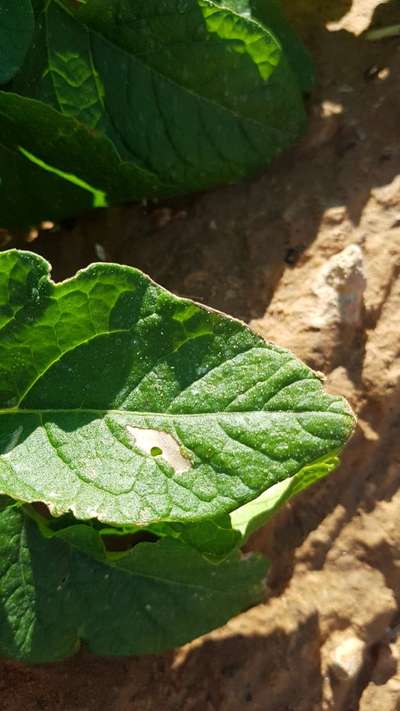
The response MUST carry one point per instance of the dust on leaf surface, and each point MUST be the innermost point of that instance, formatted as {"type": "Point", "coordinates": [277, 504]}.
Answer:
{"type": "Point", "coordinates": [85, 362]}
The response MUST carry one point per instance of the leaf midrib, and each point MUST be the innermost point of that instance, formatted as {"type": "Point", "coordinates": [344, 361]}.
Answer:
{"type": "Point", "coordinates": [166, 415]}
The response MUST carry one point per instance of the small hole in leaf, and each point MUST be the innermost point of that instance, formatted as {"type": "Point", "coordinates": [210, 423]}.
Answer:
{"type": "Point", "coordinates": [156, 443]}
{"type": "Point", "coordinates": [41, 509]}
{"type": "Point", "coordinates": [119, 544]}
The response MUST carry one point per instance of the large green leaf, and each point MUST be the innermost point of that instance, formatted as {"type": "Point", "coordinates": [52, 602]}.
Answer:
{"type": "Point", "coordinates": [191, 93]}
{"type": "Point", "coordinates": [124, 403]}
{"type": "Point", "coordinates": [16, 33]}
{"type": "Point", "coordinates": [155, 597]}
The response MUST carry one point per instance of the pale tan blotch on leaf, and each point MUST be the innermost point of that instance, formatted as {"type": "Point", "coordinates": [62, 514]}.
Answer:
{"type": "Point", "coordinates": [162, 444]}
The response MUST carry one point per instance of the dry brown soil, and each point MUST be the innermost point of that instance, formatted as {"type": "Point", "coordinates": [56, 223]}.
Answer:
{"type": "Point", "coordinates": [309, 253]}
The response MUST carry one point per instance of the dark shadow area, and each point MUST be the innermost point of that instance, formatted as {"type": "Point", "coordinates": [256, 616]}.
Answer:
{"type": "Point", "coordinates": [273, 671]}
{"type": "Point", "coordinates": [233, 673]}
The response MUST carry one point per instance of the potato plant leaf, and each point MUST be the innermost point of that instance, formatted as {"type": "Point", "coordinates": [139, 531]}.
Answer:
{"type": "Point", "coordinates": [124, 403]}
{"type": "Point", "coordinates": [215, 538]}
{"type": "Point", "coordinates": [16, 33]}
{"type": "Point", "coordinates": [188, 93]}
{"type": "Point", "coordinates": [127, 410]}
{"type": "Point", "coordinates": [159, 595]}
{"type": "Point", "coordinates": [269, 13]}
{"type": "Point", "coordinates": [248, 518]}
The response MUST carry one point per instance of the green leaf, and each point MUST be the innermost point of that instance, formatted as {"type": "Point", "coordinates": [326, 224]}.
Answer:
{"type": "Point", "coordinates": [189, 93]}
{"type": "Point", "coordinates": [100, 372]}
{"type": "Point", "coordinates": [248, 518]}
{"type": "Point", "coordinates": [269, 12]}
{"type": "Point", "coordinates": [16, 33]}
{"type": "Point", "coordinates": [215, 538]}
{"type": "Point", "coordinates": [157, 596]}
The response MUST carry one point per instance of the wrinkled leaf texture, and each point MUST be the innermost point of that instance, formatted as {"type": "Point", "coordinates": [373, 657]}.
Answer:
{"type": "Point", "coordinates": [92, 368]}
{"type": "Point", "coordinates": [95, 367]}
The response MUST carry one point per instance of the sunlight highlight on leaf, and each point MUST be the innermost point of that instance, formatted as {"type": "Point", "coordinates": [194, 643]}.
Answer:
{"type": "Point", "coordinates": [99, 197]}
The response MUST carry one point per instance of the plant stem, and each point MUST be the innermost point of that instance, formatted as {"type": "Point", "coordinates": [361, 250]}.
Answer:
{"type": "Point", "coordinates": [383, 33]}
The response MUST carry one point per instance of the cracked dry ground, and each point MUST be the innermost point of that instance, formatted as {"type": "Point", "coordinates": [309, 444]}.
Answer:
{"type": "Point", "coordinates": [309, 253]}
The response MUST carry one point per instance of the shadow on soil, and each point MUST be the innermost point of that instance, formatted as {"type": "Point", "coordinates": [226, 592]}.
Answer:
{"type": "Point", "coordinates": [214, 676]}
